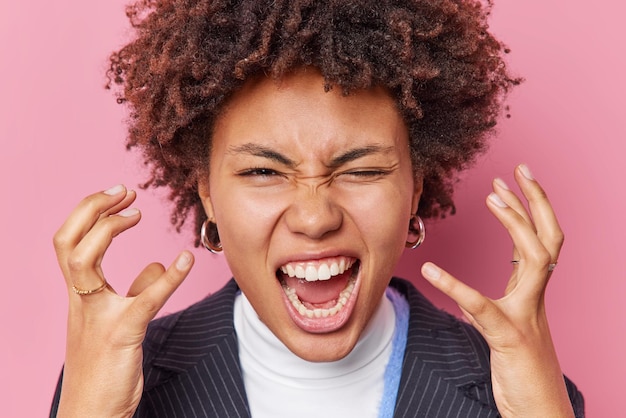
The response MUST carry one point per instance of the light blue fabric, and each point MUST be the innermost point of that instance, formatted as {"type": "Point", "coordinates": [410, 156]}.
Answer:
{"type": "Point", "coordinates": [394, 367]}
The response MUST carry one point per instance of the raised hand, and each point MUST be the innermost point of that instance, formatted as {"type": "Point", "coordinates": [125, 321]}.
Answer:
{"type": "Point", "coordinates": [103, 365]}
{"type": "Point", "coordinates": [526, 376]}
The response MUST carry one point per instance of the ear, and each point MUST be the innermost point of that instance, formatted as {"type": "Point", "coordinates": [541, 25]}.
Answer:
{"type": "Point", "coordinates": [418, 186]}
{"type": "Point", "coordinates": [205, 197]}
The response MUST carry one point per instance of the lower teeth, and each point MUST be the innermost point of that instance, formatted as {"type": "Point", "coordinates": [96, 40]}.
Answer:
{"type": "Point", "coordinates": [317, 312]}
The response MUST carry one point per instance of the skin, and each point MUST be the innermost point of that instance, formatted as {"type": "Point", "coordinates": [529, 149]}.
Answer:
{"type": "Point", "coordinates": [309, 206]}
{"type": "Point", "coordinates": [305, 207]}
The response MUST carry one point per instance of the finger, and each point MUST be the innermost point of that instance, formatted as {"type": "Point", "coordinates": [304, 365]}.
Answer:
{"type": "Point", "coordinates": [504, 192]}
{"type": "Point", "coordinates": [149, 275]}
{"type": "Point", "coordinates": [501, 189]}
{"type": "Point", "coordinates": [534, 257]}
{"type": "Point", "coordinates": [546, 223]}
{"type": "Point", "coordinates": [479, 310]}
{"type": "Point", "coordinates": [130, 197]}
{"type": "Point", "coordinates": [86, 214]}
{"type": "Point", "coordinates": [510, 198]}
{"type": "Point", "coordinates": [83, 263]}
{"type": "Point", "coordinates": [153, 297]}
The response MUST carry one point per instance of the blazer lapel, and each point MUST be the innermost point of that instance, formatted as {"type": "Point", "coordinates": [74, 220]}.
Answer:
{"type": "Point", "coordinates": [446, 371]}
{"type": "Point", "coordinates": [193, 367]}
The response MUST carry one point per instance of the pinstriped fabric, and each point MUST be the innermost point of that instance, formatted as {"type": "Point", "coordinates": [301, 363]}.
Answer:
{"type": "Point", "coordinates": [446, 365]}
{"type": "Point", "coordinates": [195, 369]}
{"type": "Point", "coordinates": [191, 364]}
{"type": "Point", "coordinates": [446, 371]}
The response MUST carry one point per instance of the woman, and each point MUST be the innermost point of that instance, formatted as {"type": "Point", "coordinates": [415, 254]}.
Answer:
{"type": "Point", "coordinates": [308, 139]}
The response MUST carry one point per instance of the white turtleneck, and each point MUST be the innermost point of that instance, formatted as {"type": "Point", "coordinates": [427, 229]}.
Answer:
{"type": "Point", "coordinates": [280, 384]}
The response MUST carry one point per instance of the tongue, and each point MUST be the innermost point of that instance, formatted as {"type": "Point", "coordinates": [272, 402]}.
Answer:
{"type": "Point", "coordinates": [321, 291]}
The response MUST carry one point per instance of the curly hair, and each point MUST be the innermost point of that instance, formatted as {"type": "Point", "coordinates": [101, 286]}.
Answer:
{"type": "Point", "coordinates": [436, 58]}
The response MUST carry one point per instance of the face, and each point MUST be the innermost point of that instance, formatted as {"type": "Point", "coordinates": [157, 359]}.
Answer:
{"type": "Point", "coordinates": [312, 193]}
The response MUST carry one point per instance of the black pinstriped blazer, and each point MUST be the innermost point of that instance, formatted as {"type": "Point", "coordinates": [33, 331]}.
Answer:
{"type": "Point", "coordinates": [192, 367]}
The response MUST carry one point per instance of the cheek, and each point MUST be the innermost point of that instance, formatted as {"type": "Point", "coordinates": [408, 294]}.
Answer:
{"type": "Point", "coordinates": [382, 215]}
{"type": "Point", "coordinates": [247, 220]}
{"type": "Point", "coordinates": [248, 224]}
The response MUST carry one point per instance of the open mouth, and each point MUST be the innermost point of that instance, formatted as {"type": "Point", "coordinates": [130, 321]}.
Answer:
{"type": "Point", "coordinates": [320, 294]}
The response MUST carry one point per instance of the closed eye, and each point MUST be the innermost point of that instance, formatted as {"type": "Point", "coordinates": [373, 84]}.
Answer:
{"type": "Point", "coordinates": [368, 174]}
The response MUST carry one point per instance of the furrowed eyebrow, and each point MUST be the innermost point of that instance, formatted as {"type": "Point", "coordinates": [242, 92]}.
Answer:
{"type": "Point", "coordinates": [258, 150]}
{"type": "Point", "coordinates": [262, 151]}
{"type": "Point", "coordinates": [356, 153]}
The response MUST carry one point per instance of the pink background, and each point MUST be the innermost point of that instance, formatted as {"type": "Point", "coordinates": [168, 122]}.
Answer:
{"type": "Point", "coordinates": [62, 135]}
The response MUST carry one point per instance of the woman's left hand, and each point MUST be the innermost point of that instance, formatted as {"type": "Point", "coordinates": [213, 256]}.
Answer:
{"type": "Point", "coordinates": [526, 376]}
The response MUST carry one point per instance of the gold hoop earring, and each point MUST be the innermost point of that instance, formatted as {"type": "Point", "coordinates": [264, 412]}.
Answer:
{"type": "Point", "coordinates": [210, 239]}
{"type": "Point", "coordinates": [420, 231]}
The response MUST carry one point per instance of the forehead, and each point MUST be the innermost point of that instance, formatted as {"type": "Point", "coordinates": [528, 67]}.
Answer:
{"type": "Point", "coordinates": [297, 111]}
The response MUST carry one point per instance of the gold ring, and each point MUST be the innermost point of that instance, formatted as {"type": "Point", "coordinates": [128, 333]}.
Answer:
{"type": "Point", "coordinates": [82, 292]}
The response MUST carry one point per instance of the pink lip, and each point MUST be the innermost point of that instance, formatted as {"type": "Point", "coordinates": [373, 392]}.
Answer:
{"type": "Point", "coordinates": [330, 323]}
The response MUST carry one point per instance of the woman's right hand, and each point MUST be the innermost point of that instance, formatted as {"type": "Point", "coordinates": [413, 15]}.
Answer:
{"type": "Point", "coordinates": [103, 374]}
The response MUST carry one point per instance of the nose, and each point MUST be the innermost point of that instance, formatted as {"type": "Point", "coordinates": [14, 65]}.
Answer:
{"type": "Point", "coordinates": [313, 213]}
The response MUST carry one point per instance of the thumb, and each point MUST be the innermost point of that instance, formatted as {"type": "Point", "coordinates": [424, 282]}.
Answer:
{"type": "Point", "coordinates": [154, 295]}
{"type": "Point", "coordinates": [148, 275]}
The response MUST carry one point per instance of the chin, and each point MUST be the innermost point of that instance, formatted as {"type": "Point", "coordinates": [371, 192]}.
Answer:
{"type": "Point", "coordinates": [319, 348]}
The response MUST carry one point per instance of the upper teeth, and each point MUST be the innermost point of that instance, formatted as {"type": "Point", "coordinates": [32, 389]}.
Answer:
{"type": "Point", "coordinates": [319, 270]}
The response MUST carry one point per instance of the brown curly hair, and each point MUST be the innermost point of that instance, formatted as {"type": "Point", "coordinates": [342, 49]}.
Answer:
{"type": "Point", "coordinates": [436, 58]}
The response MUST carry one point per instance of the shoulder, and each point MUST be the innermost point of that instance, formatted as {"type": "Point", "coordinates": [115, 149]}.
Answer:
{"type": "Point", "coordinates": [176, 341]}
{"type": "Point", "coordinates": [446, 360]}
{"type": "Point", "coordinates": [430, 323]}
{"type": "Point", "coordinates": [191, 365]}
{"type": "Point", "coordinates": [445, 348]}
{"type": "Point", "coordinates": [430, 326]}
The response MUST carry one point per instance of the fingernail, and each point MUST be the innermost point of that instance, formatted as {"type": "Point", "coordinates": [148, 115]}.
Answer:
{"type": "Point", "coordinates": [501, 183]}
{"type": "Point", "coordinates": [183, 261]}
{"type": "Point", "coordinates": [431, 271]}
{"type": "Point", "coordinates": [495, 199]}
{"type": "Point", "coordinates": [114, 190]}
{"type": "Point", "coordinates": [127, 213]}
{"type": "Point", "coordinates": [523, 168]}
